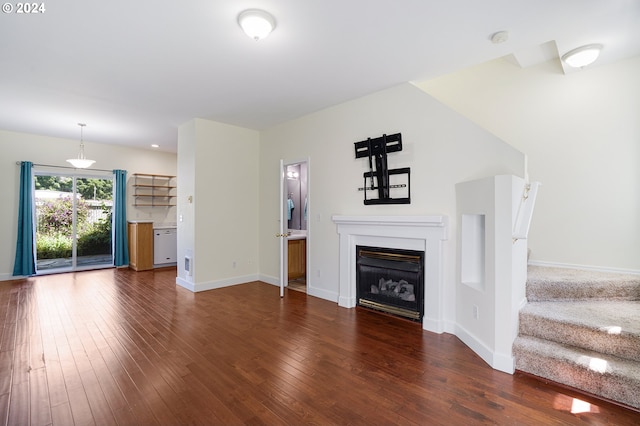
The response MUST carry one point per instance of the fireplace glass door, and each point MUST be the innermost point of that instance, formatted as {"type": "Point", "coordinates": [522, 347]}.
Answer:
{"type": "Point", "coordinates": [391, 281]}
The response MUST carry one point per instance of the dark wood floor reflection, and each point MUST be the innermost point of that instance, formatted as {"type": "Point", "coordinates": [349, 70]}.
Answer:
{"type": "Point", "coordinates": [119, 347]}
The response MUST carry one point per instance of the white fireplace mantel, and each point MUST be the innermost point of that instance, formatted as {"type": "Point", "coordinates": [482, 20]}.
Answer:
{"type": "Point", "coordinates": [424, 233]}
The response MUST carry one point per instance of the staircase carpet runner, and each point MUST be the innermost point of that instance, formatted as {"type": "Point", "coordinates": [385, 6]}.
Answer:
{"type": "Point", "coordinates": [582, 329]}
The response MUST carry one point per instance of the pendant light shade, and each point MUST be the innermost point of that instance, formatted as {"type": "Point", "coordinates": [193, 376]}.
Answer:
{"type": "Point", "coordinates": [81, 162]}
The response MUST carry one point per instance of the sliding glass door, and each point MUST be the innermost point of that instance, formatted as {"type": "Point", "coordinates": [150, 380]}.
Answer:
{"type": "Point", "coordinates": [73, 221]}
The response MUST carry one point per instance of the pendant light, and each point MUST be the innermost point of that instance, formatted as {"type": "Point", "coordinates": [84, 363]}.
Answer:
{"type": "Point", "coordinates": [81, 162]}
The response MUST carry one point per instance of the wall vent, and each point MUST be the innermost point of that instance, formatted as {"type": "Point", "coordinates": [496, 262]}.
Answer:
{"type": "Point", "coordinates": [187, 265]}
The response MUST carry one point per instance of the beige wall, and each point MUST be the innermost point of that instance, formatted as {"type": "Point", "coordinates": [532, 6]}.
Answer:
{"type": "Point", "coordinates": [581, 133]}
{"type": "Point", "coordinates": [441, 147]}
{"type": "Point", "coordinates": [218, 168]}
{"type": "Point", "coordinates": [55, 151]}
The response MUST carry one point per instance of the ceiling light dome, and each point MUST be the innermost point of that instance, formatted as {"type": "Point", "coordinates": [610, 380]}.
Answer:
{"type": "Point", "coordinates": [582, 56]}
{"type": "Point", "coordinates": [256, 23]}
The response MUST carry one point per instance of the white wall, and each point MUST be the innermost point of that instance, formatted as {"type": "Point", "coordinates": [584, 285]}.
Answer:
{"type": "Point", "coordinates": [218, 169]}
{"type": "Point", "coordinates": [489, 297]}
{"type": "Point", "coordinates": [581, 133]}
{"type": "Point", "coordinates": [55, 151]}
{"type": "Point", "coordinates": [186, 203]}
{"type": "Point", "coordinates": [441, 147]}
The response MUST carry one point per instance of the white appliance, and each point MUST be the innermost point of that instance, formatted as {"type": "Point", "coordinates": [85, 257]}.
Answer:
{"type": "Point", "coordinates": [165, 246]}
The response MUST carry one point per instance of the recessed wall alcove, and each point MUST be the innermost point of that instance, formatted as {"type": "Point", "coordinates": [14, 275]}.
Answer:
{"type": "Point", "coordinates": [422, 233]}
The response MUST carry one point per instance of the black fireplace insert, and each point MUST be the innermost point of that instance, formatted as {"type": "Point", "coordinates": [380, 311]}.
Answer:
{"type": "Point", "coordinates": [391, 281]}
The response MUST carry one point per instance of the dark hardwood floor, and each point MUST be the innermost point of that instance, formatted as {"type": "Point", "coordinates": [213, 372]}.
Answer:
{"type": "Point", "coordinates": [122, 347]}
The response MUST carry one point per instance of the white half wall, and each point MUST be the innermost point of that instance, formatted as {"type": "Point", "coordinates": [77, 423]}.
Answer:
{"type": "Point", "coordinates": [491, 280]}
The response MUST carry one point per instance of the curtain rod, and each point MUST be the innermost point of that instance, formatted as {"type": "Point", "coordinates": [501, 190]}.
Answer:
{"type": "Point", "coordinates": [19, 163]}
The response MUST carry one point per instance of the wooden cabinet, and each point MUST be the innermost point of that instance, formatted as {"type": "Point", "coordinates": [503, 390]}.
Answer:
{"type": "Point", "coordinates": [297, 258]}
{"type": "Point", "coordinates": [140, 245]}
{"type": "Point", "coordinates": [153, 190]}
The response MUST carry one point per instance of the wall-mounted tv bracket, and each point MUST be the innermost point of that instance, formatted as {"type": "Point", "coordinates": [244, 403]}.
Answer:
{"type": "Point", "coordinates": [378, 178]}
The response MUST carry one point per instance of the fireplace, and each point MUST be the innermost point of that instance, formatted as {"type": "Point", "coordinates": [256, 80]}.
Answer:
{"type": "Point", "coordinates": [420, 233]}
{"type": "Point", "coordinates": [390, 280]}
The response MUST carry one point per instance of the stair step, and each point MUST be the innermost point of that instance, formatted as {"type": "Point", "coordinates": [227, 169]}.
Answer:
{"type": "Point", "coordinates": [600, 374]}
{"type": "Point", "coordinates": [609, 327]}
{"type": "Point", "coordinates": [550, 283]}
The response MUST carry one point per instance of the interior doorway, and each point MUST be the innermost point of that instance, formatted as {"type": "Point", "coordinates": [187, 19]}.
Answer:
{"type": "Point", "coordinates": [294, 229]}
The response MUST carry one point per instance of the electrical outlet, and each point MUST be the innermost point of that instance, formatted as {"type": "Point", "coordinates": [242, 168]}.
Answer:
{"type": "Point", "coordinates": [234, 264]}
{"type": "Point", "coordinates": [318, 273]}
{"type": "Point", "coordinates": [476, 313]}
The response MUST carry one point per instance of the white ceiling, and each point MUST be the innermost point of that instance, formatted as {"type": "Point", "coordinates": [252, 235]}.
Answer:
{"type": "Point", "coordinates": [133, 71]}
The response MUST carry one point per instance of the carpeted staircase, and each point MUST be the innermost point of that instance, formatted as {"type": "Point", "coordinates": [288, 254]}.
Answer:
{"type": "Point", "coordinates": [582, 329]}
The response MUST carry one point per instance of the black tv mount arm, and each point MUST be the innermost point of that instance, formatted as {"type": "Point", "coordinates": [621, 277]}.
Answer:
{"type": "Point", "coordinates": [376, 150]}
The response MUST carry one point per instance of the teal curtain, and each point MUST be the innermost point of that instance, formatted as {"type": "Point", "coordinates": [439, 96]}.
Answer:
{"type": "Point", "coordinates": [120, 241]}
{"type": "Point", "coordinates": [25, 262]}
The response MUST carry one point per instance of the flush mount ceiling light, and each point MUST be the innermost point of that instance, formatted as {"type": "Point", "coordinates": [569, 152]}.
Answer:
{"type": "Point", "coordinates": [582, 56]}
{"type": "Point", "coordinates": [256, 23]}
{"type": "Point", "coordinates": [499, 37]}
{"type": "Point", "coordinates": [81, 162]}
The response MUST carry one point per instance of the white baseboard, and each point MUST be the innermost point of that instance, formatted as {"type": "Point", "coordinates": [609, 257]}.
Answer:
{"type": "Point", "coordinates": [331, 296]}
{"type": "Point", "coordinates": [321, 293]}
{"type": "Point", "coordinates": [9, 277]}
{"type": "Point", "coordinates": [497, 361]}
{"type": "Point", "coordinates": [434, 326]}
{"type": "Point", "coordinates": [346, 302]}
{"type": "Point", "coordinates": [269, 279]}
{"type": "Point", "coordinates": [212, 285]}
{"type": "Point", "coordinates": [584, 267]}
{"type": "Point", "coordinates": [449, 327]}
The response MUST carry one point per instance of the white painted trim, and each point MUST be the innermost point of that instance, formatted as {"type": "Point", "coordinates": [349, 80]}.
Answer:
{"type": "Point", "coordinates": [504, 362]}
{"type": "Point", "coordinates": [184, 283]}
{"type": "Point", "coordinates": [9, 277]}
{"type": "Point", "coordinates": [449, 326]}
{"type": "Point", "coordinates": [322, 294]}
{"type": "Point", "coordinates": [433, 221]}
{"type": "Point", "coordinates": [433, 325]}
{"type": "Point", "coordinates": [497, 361]}
{"type": "Point", "coordinates": [522, 304]}
{"type": "Point", "coordinates": [475, 344]}
{"type": "Point", "coordinates": [331, 296]}
{"type": "Point", "coordinates": [269, 279]}
{"type": "Point", "coordinates": [212, 285]}
{"type": "Point", "coordinates": [584, 267]}
{"type": "Point", "coordinates": [423, 233]}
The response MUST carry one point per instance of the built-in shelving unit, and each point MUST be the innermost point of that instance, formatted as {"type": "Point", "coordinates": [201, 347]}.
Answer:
{"type": "Point", "coordinates": [153, 190]}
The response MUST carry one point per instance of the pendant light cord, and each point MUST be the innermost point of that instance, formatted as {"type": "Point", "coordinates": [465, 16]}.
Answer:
{"type": "Point", "coordinates": [81, 139]}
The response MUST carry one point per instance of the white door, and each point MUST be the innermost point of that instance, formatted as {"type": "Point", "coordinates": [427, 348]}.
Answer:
{"type": "Point", "coordinates": [284, 219]}
{"type": "Point", "coordinates": [282, 231]}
